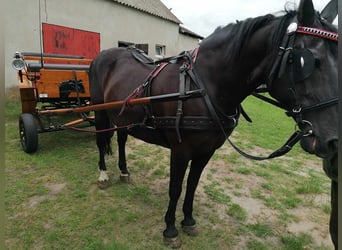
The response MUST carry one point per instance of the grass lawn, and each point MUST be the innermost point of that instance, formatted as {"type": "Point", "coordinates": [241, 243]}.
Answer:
{"type": "Point", "coordinates": [52, 200]}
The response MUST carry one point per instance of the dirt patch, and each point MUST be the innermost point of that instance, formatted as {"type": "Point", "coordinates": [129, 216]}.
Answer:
{"type": "Point", "coordinates": [54, 188]}
{"type": "Point", "coordinates": [308, 220]}
{"type": "Point", "coordinates": [307, 224]}
{"type": "Point", "coordinates": [316, 231]}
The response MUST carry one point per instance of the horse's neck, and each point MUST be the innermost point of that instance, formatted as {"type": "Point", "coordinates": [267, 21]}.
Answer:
{"type": "Point", "coordinates": [230, 82]}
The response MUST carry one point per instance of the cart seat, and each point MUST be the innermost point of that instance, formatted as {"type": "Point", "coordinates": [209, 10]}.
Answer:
{"type": "Point", "coordinates": [36, 67]}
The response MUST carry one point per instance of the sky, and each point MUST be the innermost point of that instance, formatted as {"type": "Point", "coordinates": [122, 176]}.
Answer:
{"type": "Point", "coordinates": [203, 17]}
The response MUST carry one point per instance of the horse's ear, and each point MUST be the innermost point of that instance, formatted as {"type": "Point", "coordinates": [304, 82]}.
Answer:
{"type": "Point", "coordinates": [306, 12]}
{"type": "Point", "coordinates": [329, 12]}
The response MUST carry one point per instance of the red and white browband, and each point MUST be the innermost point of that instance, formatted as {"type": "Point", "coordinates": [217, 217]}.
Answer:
{"type": "Point", "coordinates": [318, 32]}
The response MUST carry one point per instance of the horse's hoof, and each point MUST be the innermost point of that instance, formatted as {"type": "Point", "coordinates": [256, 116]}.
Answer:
{"type": "Point", "coordinates": [190, 230]}
{"type": "Point", "coordinates": [125, 178]}
{"type": "Point", "coordinates": [173, 242]}
{"type": "Point", "coordinates": [103, 184]}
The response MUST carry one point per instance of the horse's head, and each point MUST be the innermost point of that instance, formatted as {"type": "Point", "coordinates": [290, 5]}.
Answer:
{"type": "Point", "coordinates": [304, 78]}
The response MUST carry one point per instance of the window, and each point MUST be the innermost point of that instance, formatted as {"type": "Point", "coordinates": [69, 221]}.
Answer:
{"type": "Point", "coordinates": [142, 46]}
{"type": "Point", "coordinates": [125, 44]}
{"type": "Point", "coordinates": [160, 51]}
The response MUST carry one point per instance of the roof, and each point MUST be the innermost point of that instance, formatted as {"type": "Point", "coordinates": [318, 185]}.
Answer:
{"type": "Point", "coordinates": [152, 7]}
{"type": "Point", "coordinates": [188, 32]}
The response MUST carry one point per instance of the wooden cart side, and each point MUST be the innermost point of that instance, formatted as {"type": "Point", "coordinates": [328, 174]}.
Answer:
{"type": "Point", "coordinates": [40, 82]}
{"type": "Point", "coordinates": [28, 97]}
{"type": "Point", "coordinates": [50, 80]}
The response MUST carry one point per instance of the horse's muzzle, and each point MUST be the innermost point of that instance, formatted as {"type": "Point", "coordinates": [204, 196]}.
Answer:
{"type": "Point", "coordinates": [321, 148]}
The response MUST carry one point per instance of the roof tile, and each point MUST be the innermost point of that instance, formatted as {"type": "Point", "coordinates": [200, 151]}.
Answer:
{"type": "Point", "coordinates": [153, 7]}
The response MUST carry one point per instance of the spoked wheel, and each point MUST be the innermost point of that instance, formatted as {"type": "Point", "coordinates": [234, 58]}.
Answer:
{"type": "Point", "coordinates": [28, 133]}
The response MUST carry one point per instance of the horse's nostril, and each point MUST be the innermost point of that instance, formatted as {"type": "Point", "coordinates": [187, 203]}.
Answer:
{"type": "Point", "coordinates": [333, 145]}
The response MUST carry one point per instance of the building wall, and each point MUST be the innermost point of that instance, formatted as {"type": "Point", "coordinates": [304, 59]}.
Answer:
{"type": "Point", "coordinates": [187, 42]}
{"type": "Point", "coordinates": [113, 21]}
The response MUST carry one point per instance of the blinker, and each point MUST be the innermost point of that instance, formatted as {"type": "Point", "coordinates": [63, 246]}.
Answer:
{"type": "Point", "coordinates": [303, 64]}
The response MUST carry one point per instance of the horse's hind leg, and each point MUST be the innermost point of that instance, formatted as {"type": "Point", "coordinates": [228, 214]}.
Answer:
{"type": "Point", "coordinates": [122, 139]}
{"type": "Point", "coordinates": [103, 141]}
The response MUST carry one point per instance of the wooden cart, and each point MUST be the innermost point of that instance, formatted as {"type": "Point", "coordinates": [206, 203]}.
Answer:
{"type": "Point", "coordinates": [52, 85]}
{"type": "Point", "coordinates": [49, 82]}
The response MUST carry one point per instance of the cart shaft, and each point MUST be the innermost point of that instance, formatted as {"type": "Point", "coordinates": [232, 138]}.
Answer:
{"type": "Point", "coordinates": [130, 102]}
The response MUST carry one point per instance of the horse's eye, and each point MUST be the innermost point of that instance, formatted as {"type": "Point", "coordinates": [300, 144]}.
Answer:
{"type": "Point", "coordinates": [317, 63]}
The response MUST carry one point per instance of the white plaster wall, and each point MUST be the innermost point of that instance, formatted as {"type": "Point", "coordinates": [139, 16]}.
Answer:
{"type": "Point", "coordinates": [113, 21]}
{"type": "Point", "coordinates": [186, 42]}
{"type": "Point", "coordinates": [21, 33]}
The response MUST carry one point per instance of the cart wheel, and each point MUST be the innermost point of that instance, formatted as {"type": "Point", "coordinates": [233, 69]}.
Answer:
{"type": "Point", "coordinates": [28, 133]}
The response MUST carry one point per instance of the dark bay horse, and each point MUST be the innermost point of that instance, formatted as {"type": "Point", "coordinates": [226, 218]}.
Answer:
{"type": "Point", "coordinates": [295, 54]}
{"type": "Point", "coordinates": [330, 166]}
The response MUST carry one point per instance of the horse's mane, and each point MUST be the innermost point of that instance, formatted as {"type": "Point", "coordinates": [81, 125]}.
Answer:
{"type": "Point", "coordinates": [234, 35]}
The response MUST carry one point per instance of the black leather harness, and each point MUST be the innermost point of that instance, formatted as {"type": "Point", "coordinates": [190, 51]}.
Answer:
{"type": "Point", "coordinates": [186, 78]}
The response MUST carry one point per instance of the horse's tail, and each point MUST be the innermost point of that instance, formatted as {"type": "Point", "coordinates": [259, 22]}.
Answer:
{"type": "Point", "coordinates": [103, 139]}
{"type": "Point", "coordinates": [97, 79]}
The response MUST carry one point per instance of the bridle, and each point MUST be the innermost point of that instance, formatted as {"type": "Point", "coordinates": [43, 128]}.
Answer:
{"type": "Point", "coordinates": [289, 56]}
{"type": "Point", "coordinates": [304, 59]}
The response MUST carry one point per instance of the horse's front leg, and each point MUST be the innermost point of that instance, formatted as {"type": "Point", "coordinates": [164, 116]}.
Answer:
{"type": "Point", "coordinates": [330, 166]}
{"type": "Point", "coordinates": [178, 165]}
{"type": "Point", "coordinates": [197, 166]}
{"type": "Point", "coordinates": [333, 226]}
{"type": "Point", "coordinates": [121, 140]}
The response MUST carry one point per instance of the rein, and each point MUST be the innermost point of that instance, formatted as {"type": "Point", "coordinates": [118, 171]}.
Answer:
{"type": "Point", "coordinates": [301, 110]}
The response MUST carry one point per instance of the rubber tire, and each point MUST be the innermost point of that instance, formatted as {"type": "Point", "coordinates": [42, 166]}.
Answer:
{"type": "Point", "coordinates": [28, 133]}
